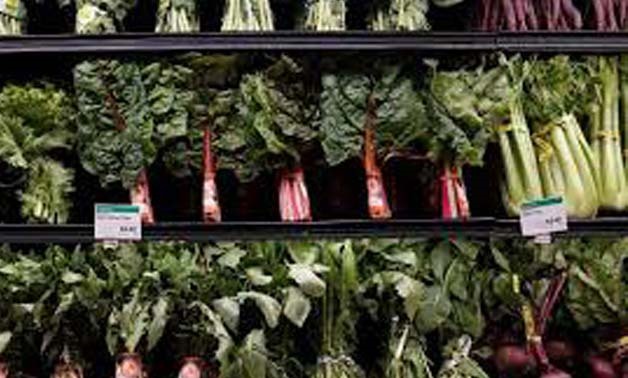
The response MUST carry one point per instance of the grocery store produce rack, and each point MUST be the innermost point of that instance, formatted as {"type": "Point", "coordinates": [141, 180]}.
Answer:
{"type": "Point", "coordinates": [422, 42]}
{"type": "Point", "coordinates": [428, 43]}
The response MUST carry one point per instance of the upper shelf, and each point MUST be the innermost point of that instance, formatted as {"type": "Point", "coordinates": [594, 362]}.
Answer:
{"type": "Point", "coordinates": [341, 229]}
{"type": "Point", "coordinates": [428, 42]}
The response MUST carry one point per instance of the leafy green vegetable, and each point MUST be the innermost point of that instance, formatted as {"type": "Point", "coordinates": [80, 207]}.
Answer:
{"type": "Point", "coordinates": [555, 91]}
{"type": "Point", "coordinates": [35, 123]}
{"type": "Point", "coordinates": [247, 15]}
{"type": "Point", "coordinates": [398, 112]}
{"type": "Point", "coordinates": [127, 112]}
{"type": "Point", "coordinates": [276, 120]}
{"type": "Point", "coordinates": [101, 16]}
{"type": "Point", "coordinates": [12, 17]}
{"type": "Point", "coordinates": [407, 15]}
{"type": "Point", "coordinates": [460, 365]}
{"type": "Point", "coordinates": [595, 291]}
{"type": "Point", "coordinates": [325, 15]}
{"type": "Point", "coordinates": [177, 16]}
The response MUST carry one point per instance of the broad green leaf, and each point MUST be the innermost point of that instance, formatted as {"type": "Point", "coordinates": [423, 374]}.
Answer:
{"type": "Point", "coordinates": [434, 309]}
{"type": "Point", "coordinates": [5, 339]}
{"type": "Point", "coordinates": [257, 277]}
{"type": "Point", "coordinates": [412, 292]}
{"type": "Point", "coordinates": [441, 258]}
{"type": "Point", "coordinates": [500, 259]}
{"type": "Point", "coordinates": [231, 258]}
{"type": "Point", "coordinates": [307, 280]}
{"type": "Point", "coordinates": [297, 306]}
{"type": "Point", "coordinates": [229, 311]}
{"type": "Point", "coordinates": [270, 308]}
{"type": "Point", "coordinates": [158, 322]}
{"type": "Point", "coordinates": [70, 277]}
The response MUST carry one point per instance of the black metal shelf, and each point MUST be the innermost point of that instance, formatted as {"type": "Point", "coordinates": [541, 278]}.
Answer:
{"type": "Point", "coordinates": [232, 231]}
{"type": "Point", "coordinates": [420, 42]}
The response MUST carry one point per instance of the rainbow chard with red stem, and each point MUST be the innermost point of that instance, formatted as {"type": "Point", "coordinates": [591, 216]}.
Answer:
{"type": "Point", "coordinates": [371, 114]}
{"type": "Point", "coordinates": [459, 104]}
{"type": "Point", "coordinates": [127, 113]}
{"type": "Point", "coordinates": [275, 126]}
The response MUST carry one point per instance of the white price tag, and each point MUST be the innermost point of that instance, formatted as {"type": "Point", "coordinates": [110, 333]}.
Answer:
{"type": "Point", "coordinates": [543, 217]}
{"type": "Point", "coordinates": [117, 222]}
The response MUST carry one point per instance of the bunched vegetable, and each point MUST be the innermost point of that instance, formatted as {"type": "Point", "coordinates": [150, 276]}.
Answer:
{"type": "Point", "coordinates": [247, 15]}
{"type": "Point", "coordinates": [12, 17]}
{"type": "Point", "coordinates": [272, 123]}
{"type": "Point", "coordinates": [177, 16]}
{"type": "Point", "coordinates": [35, 123]}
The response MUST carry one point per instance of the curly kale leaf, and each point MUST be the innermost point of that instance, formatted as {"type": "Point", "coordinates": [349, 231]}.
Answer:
{"type": "Point", "coordinates": [399, 112]}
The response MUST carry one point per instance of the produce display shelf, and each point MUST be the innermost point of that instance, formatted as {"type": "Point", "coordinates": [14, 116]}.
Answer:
{"type": "Point", "coordinates": [422, 42]}
{"type": "Point", "coordinates": [231, 231]}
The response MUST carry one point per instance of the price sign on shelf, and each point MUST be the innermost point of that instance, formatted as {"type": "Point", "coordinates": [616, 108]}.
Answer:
{"type": "Point", "coordinates": [543, 217]}
{"type": "Point", "coordinates": [117, 222]}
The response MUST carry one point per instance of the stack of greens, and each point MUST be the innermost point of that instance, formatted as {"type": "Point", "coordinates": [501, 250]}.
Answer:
{"type": "Point", "coordinates": [399, 15]}
{"type": "Point", "coordinates": [555, 93]}
{"type": "Point", "coordinates": [325, 15]}
{"type": "Point", "coordinates": [371, 113]}
{"type": "Point", "coordinates": [128, 111]}
{"type": "Point", "coordinates": [12, 17]}
{"type": "Point", "coordinates": [273, 122]}
{"type": "Point", "coordinates": [98, 17]}
{"type": "Point", "coordinates": [457, 103]}
{"type": "Point", "coordinates": [247, 15]}
{"type": "Point", "coordinates": [35, 124]}
{"type": "Point", "coordinates": [177, 16]}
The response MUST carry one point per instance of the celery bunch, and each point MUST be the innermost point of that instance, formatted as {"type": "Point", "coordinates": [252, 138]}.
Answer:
{"type": "Point", "coordinates": [605, 133]}
{"type": "Point", "coordinates": [555, 91]}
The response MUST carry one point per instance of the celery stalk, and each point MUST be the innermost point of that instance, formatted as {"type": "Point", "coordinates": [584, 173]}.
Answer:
{"type": "Point", "coordinates": [613, 182]}
{"type": "Point", "coordinates": [575, 194]}
{"type": "Point", "coordinates": [585, 168]}
{"type": "Point", "coordinates": [514, 185]}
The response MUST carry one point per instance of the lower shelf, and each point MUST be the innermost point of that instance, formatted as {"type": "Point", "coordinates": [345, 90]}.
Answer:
{"type": "Point", "coordinates": [199, 232]}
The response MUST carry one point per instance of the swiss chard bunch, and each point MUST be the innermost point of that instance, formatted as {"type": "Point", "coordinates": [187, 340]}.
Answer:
{"type": "Point", "coordinates": [127, 113]}
{"type": "Point", "coordinates": [371, 114]}
{"type": "Point", "coordinates": [457, 102]}
{"type": "Point", "coordinates": [275, 124]}
{"type": "Point", "coordinates": [35, 124]}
